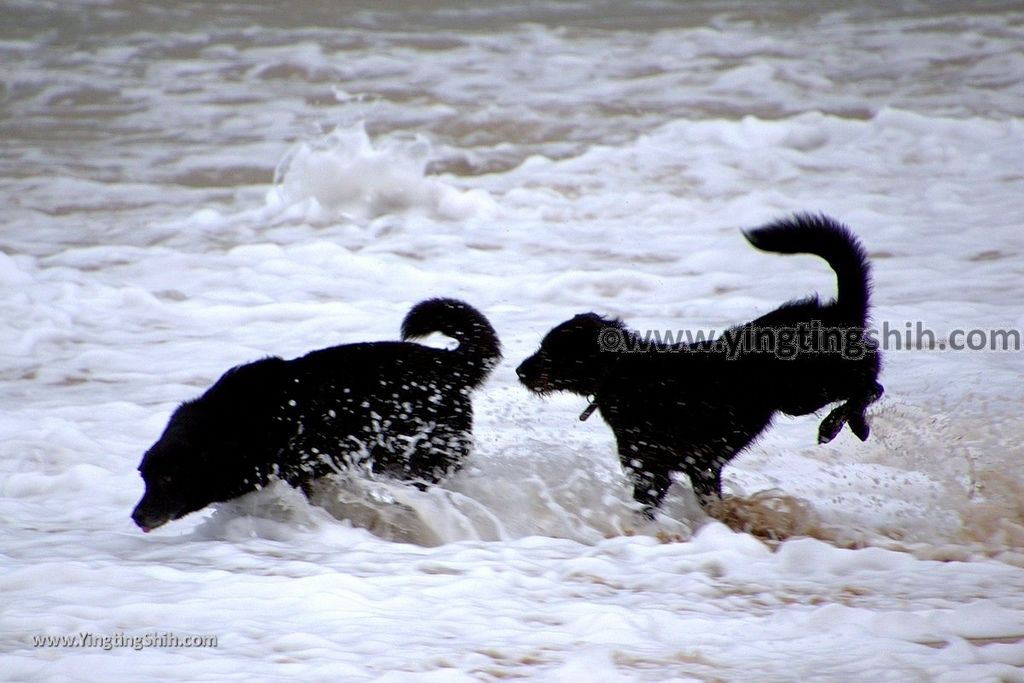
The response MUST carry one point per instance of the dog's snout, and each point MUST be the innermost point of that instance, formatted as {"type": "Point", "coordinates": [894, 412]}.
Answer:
{"type": "Point", "coordinates": [532, 374]}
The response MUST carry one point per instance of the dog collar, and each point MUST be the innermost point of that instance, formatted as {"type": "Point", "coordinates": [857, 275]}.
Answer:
{"type": "Point", "coordinates": [589, 410]}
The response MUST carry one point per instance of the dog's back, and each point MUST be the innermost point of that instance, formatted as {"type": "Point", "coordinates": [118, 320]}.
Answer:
{"type": "Point", "coordinates": [399, 408]}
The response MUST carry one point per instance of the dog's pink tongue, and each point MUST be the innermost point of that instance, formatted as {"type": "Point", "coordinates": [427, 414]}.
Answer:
{"type": "Point", "coordinates": [146, 529]}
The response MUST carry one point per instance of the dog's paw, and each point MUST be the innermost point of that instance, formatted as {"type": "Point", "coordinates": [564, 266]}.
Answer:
{"type": "Point", "coordinates": [831, 425]}
{"type": "Point", "coordinates": [859, 426]}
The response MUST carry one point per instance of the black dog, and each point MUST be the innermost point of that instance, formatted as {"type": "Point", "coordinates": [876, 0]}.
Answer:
{"type": "Point", "coordinates": [692, 408]}
{"type": "Point", "coordinates": [396, 408]}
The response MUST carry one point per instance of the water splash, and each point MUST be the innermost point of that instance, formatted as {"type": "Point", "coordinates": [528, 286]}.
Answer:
{"type": "Point", "coordinates": [347, 175]}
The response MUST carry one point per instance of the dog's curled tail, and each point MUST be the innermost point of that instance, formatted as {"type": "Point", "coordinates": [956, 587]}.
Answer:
{"type": "Point", "coordinates": [826, 237]}
{"type": "Point", "coordinates": [478, 348]}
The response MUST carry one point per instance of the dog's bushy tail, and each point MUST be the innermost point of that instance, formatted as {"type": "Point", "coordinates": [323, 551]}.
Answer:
{"type": "Point", "coordinates": [831, 240]}
{"type": "Point", "coordinates": [479, 348]}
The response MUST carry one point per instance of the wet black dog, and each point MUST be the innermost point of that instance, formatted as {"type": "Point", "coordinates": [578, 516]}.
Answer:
{"type": "Point", "coordinates": [692, 408]}
{"type": "Point", "coordinates": [396, 408]}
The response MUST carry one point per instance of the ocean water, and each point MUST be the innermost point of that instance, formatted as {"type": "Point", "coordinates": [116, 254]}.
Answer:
{"type": "Point", "coordinates": [189, 186]}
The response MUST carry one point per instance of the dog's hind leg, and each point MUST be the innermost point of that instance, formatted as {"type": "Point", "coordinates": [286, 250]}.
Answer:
{"type": "Point", "coordinates": [707, 483]}
{"type": "Point", "coordinates": [858, 421]}
{"type": "Point", "coordinates": [851, 413]}
{"type": "Point", "coordinates": [833, 423]}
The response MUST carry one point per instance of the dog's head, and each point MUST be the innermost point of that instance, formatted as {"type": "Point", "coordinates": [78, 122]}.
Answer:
{"type": "Point", "coordinates": [176, 471]}
{"type": "Point", "coordinates": [214, 448]}
{"type": "Point", "coordinates": [573, 356]}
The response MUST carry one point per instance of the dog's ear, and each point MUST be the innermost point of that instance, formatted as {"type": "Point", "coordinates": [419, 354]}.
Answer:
{"type": "Point", "coordinates": [584, 330]}
{"type": "Point", "coordinates": [596, 321]}
{"type": "Point", "coordinates": [586, 318]}
{"type": "Point", "coordinates": [597, 333]}
{"type": "Point", "coordinates": [243, 387]}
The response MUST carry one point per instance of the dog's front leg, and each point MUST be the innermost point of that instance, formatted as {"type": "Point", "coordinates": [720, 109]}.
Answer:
{"type": "Point", "coordinates": [649, 487]}
{"type": "Point", "coordinates": [650, 477]}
